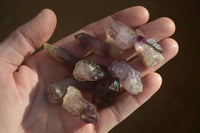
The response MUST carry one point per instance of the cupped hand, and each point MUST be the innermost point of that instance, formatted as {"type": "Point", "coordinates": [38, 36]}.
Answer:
{"type": "Point", "coordinates": [23, 79]}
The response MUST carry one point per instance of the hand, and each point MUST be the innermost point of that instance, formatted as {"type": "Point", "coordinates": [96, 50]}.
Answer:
{"type": "Point", "coordinates": [23, 79]}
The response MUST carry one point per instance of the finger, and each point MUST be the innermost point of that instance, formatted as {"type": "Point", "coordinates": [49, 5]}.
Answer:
{"type": "Point", "coordinates": [126, 103]}
{"type": "Point", "coordinates": [133, 17]}
{"type": "Point", "coordinates": [170, 49]}
{"type": "Point", "coordinates": [27, 38]}
{"type": "Point", "coordinates": [158, 29]}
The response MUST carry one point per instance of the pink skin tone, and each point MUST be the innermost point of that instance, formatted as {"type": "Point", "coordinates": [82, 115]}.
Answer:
{"type": "Point", "coordinates": [23, 80]}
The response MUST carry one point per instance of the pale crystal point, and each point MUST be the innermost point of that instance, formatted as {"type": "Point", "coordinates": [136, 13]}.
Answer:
{"type": "Point", "coordinates": [120, 35]}
{"type": "Point", "coordinates": [55, 93]}
{"type": "Point", "coordinates": [77, 105]}
{"type": "Point", "coordinates": [86, 70]}
{"type": "Point", "coordinates": [134, 81]}
{"type": "Point", "coordinates": [59, 54]}
{"type": "Point", "coordinates": [150, 57]}
{"type": "Point", "coordinates": [129, 77]}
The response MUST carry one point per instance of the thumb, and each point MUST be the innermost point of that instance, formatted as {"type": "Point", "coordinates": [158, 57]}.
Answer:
{"type": "Point", "coordinates": [26, 39]}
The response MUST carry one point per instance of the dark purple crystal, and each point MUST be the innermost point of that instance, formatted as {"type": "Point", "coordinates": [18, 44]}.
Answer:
{"type": "Point", "coordinates": [89, 115]}
{"type": "Point", "coordinates": [140, 38]}
{"type": "Point", "coordinates": [91, 43]}
{"type": "Point", "coordinates": [106, 92]}
{"type": "Point", "coordinates": [97, 46]}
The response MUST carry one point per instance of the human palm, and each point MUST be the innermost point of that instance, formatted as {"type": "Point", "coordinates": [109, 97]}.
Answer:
{"type": "Point", "coordinates": [23, 79]}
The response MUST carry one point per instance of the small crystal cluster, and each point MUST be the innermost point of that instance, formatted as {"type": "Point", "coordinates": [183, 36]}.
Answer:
{"type": "Point", "coordinates": [103, 82]}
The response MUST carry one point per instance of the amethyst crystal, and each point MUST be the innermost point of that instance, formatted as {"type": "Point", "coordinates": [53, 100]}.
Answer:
{"type": "Point", "coordinates": [120, 35]}
{"type": "Point", "coordinates": [74, 103]}
{"type": "Point", "coordinates": [59, 54]}
{"type": "Point", "coordinates": [86, 70]}
{"type": "Point", "coordinates": [106, 92]}
{"type": "Point", "coordinates": [56, 91]}
{"type": "Point", "coordinates": [149, 51]}
{"type": "Point", "coordinates": [129, 77]}
{"type": "Point", "coordinates": [151, 42]}
{"type": "Point", "coordinates": [97, 46]}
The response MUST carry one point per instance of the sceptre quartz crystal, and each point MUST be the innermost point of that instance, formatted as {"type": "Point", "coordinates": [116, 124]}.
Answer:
{"type": "Point", "coordinates": [59, 54]}
{"type": "Point", "coordinates": [77, 105]}
{"type": "Point", "coordinates": [98, 46]}
{"type": "Point", "coordinates": [149, 51]}
{"type": "Point", "coordinates": [86, 70]}
{"type": "Point", "coordinates": [106, 91]}
{"type": "Point", "coordinates": [129, 77]}
{"type": "Point", "coordinates": [120, 35]}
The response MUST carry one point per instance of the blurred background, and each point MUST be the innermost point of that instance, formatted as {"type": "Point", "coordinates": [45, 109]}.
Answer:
{"type": "Point", "coordinates": [175, 108]}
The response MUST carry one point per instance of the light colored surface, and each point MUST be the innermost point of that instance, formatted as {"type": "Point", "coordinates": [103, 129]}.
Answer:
{"type": "Point", "coordinates": [120, 35]}
{"type": "Point", "coordinates": [129, 78]}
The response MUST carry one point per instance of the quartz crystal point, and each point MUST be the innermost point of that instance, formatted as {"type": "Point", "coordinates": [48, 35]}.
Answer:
{"type": "Point", "coordinates": [59, 54]}
{"type": "Point", "coordinates": [56, 91]}
{"type": "Point", "coordinates": [149, 51]}
{"type": "Point", "coordinates": [74, 103]}
{"type": "Point", "coordinates": [106, 92]}
{"type": "Point", "coordinates": [120, 35]}
{"type": "Point", "coordinates": [97, 46]}
{"type": "Point", "coordinates": [86, 70]}
{"type": "Point", "coordinates": [129, 77]}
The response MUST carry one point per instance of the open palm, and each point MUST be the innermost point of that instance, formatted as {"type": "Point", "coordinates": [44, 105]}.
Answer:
{"type": "Point", "coordinates": [23, 79]}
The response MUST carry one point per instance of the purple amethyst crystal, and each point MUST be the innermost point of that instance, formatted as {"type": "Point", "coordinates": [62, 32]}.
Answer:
{"type": "Point", "coordinates": [74, 103]}
{"type": "Point", "coordinates": [149, 51]}
{"type": "Point", "coordinates": [151, 42]}
{"type": "Point", "coordinates": [120, 35]}
{"type": "Point", "coordinates": [129, 77]}
{"type": "Point", "coordinates": [86, 70]}
{"type": "Point", "coordinates": [56, 91]}
{"type": "Point", "coordinates": [91, 43]}
{"type": "Point", "coordinates": [97, 46]}
{"type": "Point", "coordinates": [59, 54]}
{"type": "Point", "coordinates": [140, 38]}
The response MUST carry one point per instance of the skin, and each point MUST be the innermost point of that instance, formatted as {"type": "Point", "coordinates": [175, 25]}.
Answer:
{"type": "Point", "coordinates": [23, 79]}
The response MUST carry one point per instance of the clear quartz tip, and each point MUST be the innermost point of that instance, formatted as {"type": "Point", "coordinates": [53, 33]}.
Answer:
{"type": "Point", "coordinates": [77, 105]}
{"type": "Point", "coordinates": [120, 35]}
{"type": "Point", "coordinates": [86, 70]}
{"type": "Point", "coordinates": [149, 52]}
